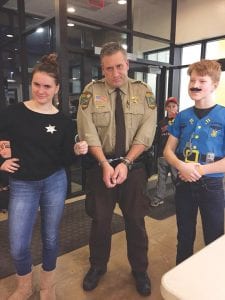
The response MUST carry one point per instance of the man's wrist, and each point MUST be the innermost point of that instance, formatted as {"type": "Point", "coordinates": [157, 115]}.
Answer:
{"type": "Point", "coordinates": [102, 162]}
{"type": "Point", "coordinates": [127, 162]}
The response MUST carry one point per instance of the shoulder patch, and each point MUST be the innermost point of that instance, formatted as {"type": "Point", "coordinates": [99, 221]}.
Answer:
{"type": "Point", "coordinates": [85, 98]}
{"type": "Point", "coordinates": [150, 100]}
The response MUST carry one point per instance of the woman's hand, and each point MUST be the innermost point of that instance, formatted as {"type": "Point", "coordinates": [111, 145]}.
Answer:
{"type": "Point", "coordinates": [81, 148]}
{"type": "Point", "coordinates": [10, 165]}
{"type": "Point", "coordinates": [5, 150]}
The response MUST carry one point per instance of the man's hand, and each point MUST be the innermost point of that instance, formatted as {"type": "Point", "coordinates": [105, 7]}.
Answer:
{"type": "Point", "coordinates": [120, 173]}
{"type": "Point", "coordinates": [108, 175]}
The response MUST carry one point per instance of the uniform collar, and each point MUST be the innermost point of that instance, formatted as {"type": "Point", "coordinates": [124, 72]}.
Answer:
{"type": "Point", "coordinates": [123, 88]}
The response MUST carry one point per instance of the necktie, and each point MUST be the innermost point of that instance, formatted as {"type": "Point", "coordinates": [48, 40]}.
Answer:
{"type": "Point", "coordinates": [120, 148]}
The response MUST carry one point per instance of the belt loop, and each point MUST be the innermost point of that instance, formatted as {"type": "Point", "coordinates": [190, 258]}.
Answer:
{"type": "Point", "coordinates": [203, 183]}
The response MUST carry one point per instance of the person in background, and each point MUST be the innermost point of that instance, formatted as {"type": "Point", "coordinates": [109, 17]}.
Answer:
{"type": "Point", "coordinates": [162, 134]}
{"type": "Point", "coordinates": [196, 148]}
{"type": "Point", "coordinates": [42, 146]}
{"type": "Point", "coordinates": [117, 118]}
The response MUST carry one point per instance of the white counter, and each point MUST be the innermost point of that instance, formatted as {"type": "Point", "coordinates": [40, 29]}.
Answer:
{"type": "Point", "coordinates": [200, 277]}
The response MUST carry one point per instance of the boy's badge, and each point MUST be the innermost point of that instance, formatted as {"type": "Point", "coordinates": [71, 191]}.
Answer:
{"type": "Point", "coordinates": [191, 121]}
{"type": "Point", "coordinates": [150, 100]}
{"type": "Point", "coordinates": [85, 98]}
{"type": "Point", "coordinates": [100, 101]}
{"type": "Point", "coordinates": [214, 133]}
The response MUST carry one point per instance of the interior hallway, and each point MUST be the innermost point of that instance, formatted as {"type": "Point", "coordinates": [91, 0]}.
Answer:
{"type": "Point", "coordinates": [117, 284]}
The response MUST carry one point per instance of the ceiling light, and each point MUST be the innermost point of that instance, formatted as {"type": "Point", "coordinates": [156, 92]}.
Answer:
{"type": "Point", "coordinates": [71, 9]}
{"type": "Point", "coordinates": [124, 46]}
{"type": "Point", "coordinates": [9, 35]}
{"type": "Point", "coordinates": [40, 30]}
{"type": "Point", "coordinates": [70, 24]}
{"type": "Point", "coordinates": [122, 2]}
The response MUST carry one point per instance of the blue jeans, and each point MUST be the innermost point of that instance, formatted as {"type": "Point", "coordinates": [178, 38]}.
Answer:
{"type": "Point", "coordinates": [207, 194]}
{"type": "Point", "coordinates": [25, 198]}
{"type": "Point", "coordinates": [163, 170]}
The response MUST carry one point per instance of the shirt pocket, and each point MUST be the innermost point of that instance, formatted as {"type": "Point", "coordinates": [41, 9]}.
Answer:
{"type": "Point", "coordinates": [101, 118]}
{"type": "Point", "coordinates": [134, 115]}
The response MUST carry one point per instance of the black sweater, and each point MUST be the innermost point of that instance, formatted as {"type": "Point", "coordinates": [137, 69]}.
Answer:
{"type": "Point", "coordinates": [42, 142]}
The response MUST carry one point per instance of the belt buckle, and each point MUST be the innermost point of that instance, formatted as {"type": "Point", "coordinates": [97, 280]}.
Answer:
{"type": "Point", "coordinates": [191, 156]}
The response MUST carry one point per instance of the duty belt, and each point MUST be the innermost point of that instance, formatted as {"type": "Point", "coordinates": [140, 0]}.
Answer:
{"type": "Point", "coordinates": [195, 156]}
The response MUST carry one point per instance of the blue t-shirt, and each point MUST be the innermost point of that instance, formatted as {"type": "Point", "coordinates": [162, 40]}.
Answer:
{"type": "Point", "coordinates": [205, 135]}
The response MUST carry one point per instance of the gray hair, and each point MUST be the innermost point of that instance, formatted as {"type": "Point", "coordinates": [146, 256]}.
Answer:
{"type": "Point", "coordinates": [112, 48]}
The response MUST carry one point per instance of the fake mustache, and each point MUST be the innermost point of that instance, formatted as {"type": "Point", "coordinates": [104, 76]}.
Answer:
{"type": "Point", "coordinates": [195, 89]}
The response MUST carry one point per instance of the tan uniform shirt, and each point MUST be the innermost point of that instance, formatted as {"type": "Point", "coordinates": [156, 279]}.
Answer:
{"type": "Point", "coordinates": [96, 114]}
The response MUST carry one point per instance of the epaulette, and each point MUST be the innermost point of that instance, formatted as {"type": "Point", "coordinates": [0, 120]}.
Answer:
{"type": "Point", "coordinates": [134, 81]}
{"type": "Point", "coordinates": [89, 85]}
{"type": "Point", "coordinates": [99, 81]}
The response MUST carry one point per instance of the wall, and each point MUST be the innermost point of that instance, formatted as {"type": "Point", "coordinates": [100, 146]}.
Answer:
{"type": "Point", "coordinates": [196, 20]}
{"type": "Point", "coordinates": [199, 19]}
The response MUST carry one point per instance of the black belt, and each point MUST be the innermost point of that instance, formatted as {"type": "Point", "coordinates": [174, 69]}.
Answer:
{"type": "Point", "coordinates": [201, 158]}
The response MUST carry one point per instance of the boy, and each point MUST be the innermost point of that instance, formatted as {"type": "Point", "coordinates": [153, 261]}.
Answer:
{"type": "Point", "coordinates": [171, 107]}
{"type": "Point", "coordinates": [196, 148]}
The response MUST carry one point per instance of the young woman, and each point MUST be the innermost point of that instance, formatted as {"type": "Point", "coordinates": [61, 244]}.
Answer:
{"type": "Point", "coordinates": [42, 146]}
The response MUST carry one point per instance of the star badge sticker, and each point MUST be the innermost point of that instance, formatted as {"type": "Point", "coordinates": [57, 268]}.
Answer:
{"type": "Point", "coordinates": [50, 129]}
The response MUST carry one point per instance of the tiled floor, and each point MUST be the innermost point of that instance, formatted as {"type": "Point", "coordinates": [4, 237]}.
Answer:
{"type": "Point", "coordinates": [118, 283]}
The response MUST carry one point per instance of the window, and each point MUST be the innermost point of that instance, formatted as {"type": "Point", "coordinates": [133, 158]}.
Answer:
{"type": "Point", "coordinates": [143, 46]}
{"type": "Point", "coordinates": [191, 54]}
{"type": "Point", "coordinates": [161, 56]}
{"type": "Point", "coordinates": [215, 49]}
{"type": "Point", "coordinates": [220, 91]}
{"type": "Point", "coordinates": [185, 100]}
